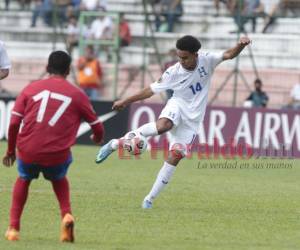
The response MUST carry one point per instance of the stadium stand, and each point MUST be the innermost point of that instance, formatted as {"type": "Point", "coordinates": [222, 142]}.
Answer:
{"type": "Point", "coordinates": [276, 54]}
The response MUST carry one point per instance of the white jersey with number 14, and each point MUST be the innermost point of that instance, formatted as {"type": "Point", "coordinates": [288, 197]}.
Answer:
{"type": "Point", "coordinates": [190, 87]}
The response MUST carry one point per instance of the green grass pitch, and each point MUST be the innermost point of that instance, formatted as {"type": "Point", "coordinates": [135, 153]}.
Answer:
{"type": "Point", "coordinates": [204, 207]}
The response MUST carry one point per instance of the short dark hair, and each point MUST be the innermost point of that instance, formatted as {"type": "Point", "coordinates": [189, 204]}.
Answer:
{"type": "Point", "coordinates": [258, 81]}
{"type": "Point", "coordinates": [59, 63]}
{"type": "Point", "coordinates": [188, 43]}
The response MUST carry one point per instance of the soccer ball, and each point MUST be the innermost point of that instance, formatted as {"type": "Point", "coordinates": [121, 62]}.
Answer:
{"type": "Point", "coordinates": [135, 143]}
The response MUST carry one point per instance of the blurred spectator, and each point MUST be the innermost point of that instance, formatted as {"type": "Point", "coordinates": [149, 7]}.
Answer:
{"type": "Point", "coordinates": [291, 5]}
{"type": "Point", "coordinates": [172, 59]}
{"type": "Point", "coordinates": [171, 10]}
{"type": "Point", "coordinates": [270, 10]}
{"type": "Point", "coordinates": [124, 31]}
{"type": "Point", "coordinates": [217, 5]}
{"type": "Point", "coordinates": [74, 9]}
{"type": "Point", "coordinates": [72, 34]}
{"type": "Point", "coordinates": [258, 97]}
{"type": "Point", "coordinates": [61, 8]}
{"type": "Point", "coordinates": [25, 4]}
{"type": "Point", "coordinates": [52, 12]}
{"type": "Point", "coordinates": [76, 3]}
{"type": "Point", "coordinates": [101, 28]}
{"type": "Point", "coordinates": [246, 10]}
{"type": "Point", "coordinates": [7, 4]}
{"type": "Point", "coordinates": [295, 97]}
{"type": "Point", "coordinates": [90, 5]}
{"type": "Point", "coordinates": [43, 9]}
{"type": "Point", "coordinates": [90, 73]}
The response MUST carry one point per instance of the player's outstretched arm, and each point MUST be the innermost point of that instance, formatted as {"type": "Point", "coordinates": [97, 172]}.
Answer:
{"type": "Point", "coordinates": [141, 95]}
{"type": "Point", "coordinates": [236, 50]}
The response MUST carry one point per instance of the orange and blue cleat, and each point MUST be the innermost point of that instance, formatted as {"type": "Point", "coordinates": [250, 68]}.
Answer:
{"type": "Point", "coordinates": [67, 229]}
{"type": "Point", "coordinates": [12, 234]}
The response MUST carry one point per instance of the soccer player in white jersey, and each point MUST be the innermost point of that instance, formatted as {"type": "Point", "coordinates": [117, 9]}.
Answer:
{"type": "Point", "coordinates": [4, 62]}
{"type": "Point", "coordinates": [190, 80]}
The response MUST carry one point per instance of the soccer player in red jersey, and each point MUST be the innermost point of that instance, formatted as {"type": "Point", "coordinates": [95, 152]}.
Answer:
{"type": "Point", "coordinates": [50, 111]}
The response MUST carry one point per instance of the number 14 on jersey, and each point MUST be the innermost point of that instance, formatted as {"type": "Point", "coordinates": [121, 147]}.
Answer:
{"type": "Point", "coordinates": [196, 88]}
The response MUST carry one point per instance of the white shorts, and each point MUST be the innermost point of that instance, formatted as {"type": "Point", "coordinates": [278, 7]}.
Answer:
{"type": "Point", "coordinates": [181, 136]}
{"type": "Point", "coordinates": [172, 112]}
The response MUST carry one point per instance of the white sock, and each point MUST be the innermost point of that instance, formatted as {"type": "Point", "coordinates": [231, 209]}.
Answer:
{"type": "Point", "coordinates": [162, 180]}
{"type": "Point", "coordinates": [148, 129]}
{"type": "Point", "coordinates": [115, 144]}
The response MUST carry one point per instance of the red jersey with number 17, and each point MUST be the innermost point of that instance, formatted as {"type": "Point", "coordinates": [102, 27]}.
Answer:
{"type": "Point", "coordinates": [51, 111]}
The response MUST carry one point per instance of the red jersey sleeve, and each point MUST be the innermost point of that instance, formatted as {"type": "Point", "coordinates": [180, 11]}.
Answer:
{"type": "Point", "coordinates": [20, 104]}
{"type": "Point", "coordinates": [15, 121]}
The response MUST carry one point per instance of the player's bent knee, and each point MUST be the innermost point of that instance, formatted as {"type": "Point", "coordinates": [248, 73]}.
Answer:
{"type": "Point", "coordinates": [177, 154]}
{"type": "Point", "coordinates": [164, 125]}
